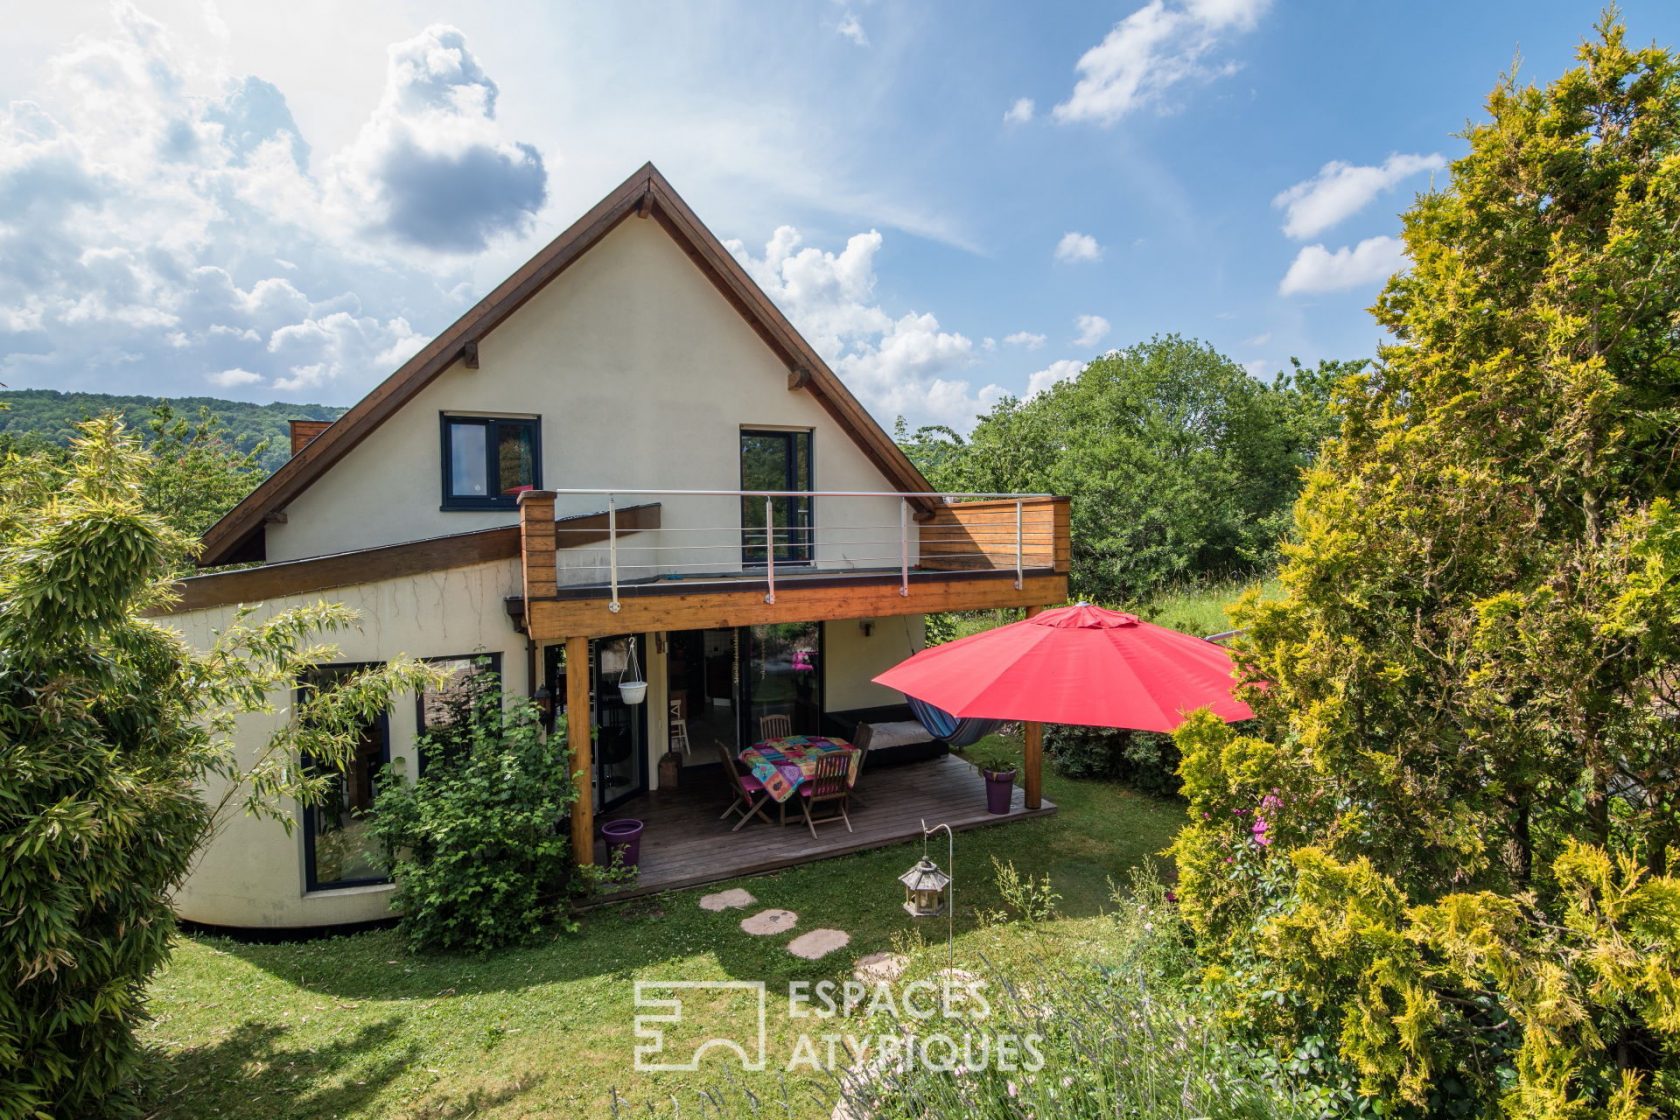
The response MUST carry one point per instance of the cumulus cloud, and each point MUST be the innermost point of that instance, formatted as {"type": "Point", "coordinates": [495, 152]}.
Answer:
{"type": "Point", "coordinates": [850, 28]}
{"type": "Point", "coordinates": [1092, 330]}
{"type": "Point", "coordinates": [1076, 247]}
{"type": "Point", "coordinates": [1340, 190]}
{"type": "Point", "coordinates": [1026, 339]}
{"type": "Point", "coordinates": [1317, 269]}
{"type": "Point", "coordinates": [230, 378]}
{"type": "Point", "coordinates": [1065, 370]}
{"type": "Point", "coordinates": [1020, 112]}
{"type": "Point", "coordinates": [431, 167]}
{"type": "Point", "coordinates": [160, 232]}
{"type": "Point", "coordinates": [1161, 45]}
{"type": "Point", "coordinates": [900, 365]}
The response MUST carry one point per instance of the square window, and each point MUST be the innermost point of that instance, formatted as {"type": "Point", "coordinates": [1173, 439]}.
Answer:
{"type": "Point", "coordinates": [489, 461]}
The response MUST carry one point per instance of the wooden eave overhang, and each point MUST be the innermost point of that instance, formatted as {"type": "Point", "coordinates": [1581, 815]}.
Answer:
{"type": "Point", "coordinates": [645, 194]}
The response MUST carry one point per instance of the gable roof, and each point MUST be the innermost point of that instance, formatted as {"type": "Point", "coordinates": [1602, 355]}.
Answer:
{"type": "Point", "coordinates": [645, 194]}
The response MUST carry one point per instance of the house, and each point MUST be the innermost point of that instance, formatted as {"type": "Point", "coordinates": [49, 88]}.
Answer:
{"type": "Point", "coordinates": [624, 463]}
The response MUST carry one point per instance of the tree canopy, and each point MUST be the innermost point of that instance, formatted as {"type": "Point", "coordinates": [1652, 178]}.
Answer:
{"type": "Point", "coordinates": [1180, 462]}
{"type": "Point", "coordinates": [1450, 844]}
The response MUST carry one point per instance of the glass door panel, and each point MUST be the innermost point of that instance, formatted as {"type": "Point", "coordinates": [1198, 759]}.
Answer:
{"type": "Point", "coordinates": [776, 461]}
{"type": "Point", "coordinates": [782, 675]}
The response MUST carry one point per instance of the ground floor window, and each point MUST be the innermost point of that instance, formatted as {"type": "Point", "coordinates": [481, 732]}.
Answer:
{"type": "Point", "coordinates": [434, 707]}
{"type": "Point", "coordinates": [339, 851]}
{"type": "Point", "coordinates": [730, 688]}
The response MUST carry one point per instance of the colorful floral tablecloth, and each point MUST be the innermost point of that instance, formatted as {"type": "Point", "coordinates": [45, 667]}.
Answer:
{"type": "Point", "coordinates": [783, 765]}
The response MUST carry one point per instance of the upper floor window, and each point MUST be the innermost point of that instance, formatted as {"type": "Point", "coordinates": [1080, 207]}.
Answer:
{"type": "Point", "coordinates": [776, 460]}
{"type": "Point", "coordinates": [488, 461]}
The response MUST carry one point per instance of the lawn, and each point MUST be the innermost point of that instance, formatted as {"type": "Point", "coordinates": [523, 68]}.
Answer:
{"type": "Point", "coordinates": [357, 1026]}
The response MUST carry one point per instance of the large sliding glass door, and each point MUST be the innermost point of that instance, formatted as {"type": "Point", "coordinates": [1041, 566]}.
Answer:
{"type": "Point", "coordinates": [620, 729]}
{"type": "Point", "coordinates": [781, 675]}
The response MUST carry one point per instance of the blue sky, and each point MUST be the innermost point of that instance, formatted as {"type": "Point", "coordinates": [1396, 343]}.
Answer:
{"type": "Point", "coordinates": [953, 200]}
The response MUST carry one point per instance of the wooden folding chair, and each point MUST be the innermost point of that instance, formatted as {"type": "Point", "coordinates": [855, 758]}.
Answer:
{"type": "Point", "coordinates": [830, 785]}
{"type": "Point", "coordinates": [775, 727]}
{"type": "Point", "coordinates": [743, 788]}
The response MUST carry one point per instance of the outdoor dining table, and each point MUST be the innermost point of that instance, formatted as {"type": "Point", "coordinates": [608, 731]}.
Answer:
{"type": "Point", "coordinates": [786, 763]}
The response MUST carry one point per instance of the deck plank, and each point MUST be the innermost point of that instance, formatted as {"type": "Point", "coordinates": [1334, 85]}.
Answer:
{"type": "Point", "coordinates": [686, 845]}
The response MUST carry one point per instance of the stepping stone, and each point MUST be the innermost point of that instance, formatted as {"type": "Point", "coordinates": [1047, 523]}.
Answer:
{"type": "Point", "coordinates": [819, 943]}
{"type": "Point", "coordinates": [727, 900]}
{"type": "Point", "coordinates": [766, 922]}
{"type": "Point", "coordinates": [880, 968]}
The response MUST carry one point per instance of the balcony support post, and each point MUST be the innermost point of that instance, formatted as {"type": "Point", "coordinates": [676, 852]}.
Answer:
{"type": "Point", "coordinates": [770, 550]}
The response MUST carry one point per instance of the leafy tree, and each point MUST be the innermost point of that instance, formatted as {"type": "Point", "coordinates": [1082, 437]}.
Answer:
{"type": "Point", "coordinates": [1452, 847]}
{"type": "Point", "coordinates": [1180, 463]}
{"type": "Point", "coordinates": [477, 844]}
{"type": "Point", "coordinates": [110, 728]}
{"type": "Point", "coordinates": [194, 474]}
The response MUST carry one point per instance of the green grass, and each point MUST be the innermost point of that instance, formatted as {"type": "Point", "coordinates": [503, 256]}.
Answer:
{"type": "Point", "coordinates": [1200, 607]}
{"type": "Point", "coordinates": [358, 1027]}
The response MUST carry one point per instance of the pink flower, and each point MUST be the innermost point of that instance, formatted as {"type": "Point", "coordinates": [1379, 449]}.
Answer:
{"type": "Point", "coordinates": [1259, 830]}
{"type": "Point", "coordinates": [1271, 803]}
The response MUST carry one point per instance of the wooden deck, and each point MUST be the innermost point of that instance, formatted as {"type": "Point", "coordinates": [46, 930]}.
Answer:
{"type": "Point", "coordinates": [685, 844]}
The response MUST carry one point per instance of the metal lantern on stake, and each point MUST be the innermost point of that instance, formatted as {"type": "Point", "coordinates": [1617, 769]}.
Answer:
{"type": "Point", "coordinates": [927, 889]}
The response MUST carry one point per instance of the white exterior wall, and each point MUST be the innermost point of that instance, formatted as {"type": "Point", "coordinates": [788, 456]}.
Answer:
{"type": "Point", "coordinates": [252, 873]}
{"type": "Point", "coordinates": [643, 375]}
{"type": "Point", "coordinates": [853, 659]}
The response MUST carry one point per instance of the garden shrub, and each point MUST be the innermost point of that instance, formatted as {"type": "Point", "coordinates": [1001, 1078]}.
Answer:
{"type": "Point", "coordinates": [478, 845]}
{"type": "Point", "coordinates": [1447, 842]}
{"type": "Point", "coordinates": [1143, 760]}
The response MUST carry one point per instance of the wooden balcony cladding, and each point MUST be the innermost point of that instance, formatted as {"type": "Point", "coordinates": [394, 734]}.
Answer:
{"type": "Point", "coordinates": [675, 607]}
{"type": "Point", "coordinates": [980, 536]}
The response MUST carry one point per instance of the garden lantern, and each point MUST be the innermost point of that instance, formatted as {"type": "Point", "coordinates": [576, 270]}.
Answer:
{"type": "Point", "coordinates": [925, 889]}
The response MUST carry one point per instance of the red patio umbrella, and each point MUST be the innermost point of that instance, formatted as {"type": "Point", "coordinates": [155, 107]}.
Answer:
{"type": "Point", "coordinates": [1079, 664]}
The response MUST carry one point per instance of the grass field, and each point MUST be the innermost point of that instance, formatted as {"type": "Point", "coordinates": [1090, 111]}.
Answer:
{"type": "Point", "coordinates": [358, 1027]}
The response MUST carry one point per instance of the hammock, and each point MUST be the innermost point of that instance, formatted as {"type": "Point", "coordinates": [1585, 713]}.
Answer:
{"type": "Point", "coordinates": [944, 726]}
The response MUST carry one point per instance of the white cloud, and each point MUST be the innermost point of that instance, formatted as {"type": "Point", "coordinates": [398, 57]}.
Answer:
{"type": "Point", "coordinates": [1258, 340]}
{"type": "Point", "coordinates": [1076, 247]}
{"type": "Point", "coordinates": [1317, 269]}
{"type": "Point", "coordinates": [228, 378]}
{"type": "Point", "coordinates": [1020, 112]}
{"type": "Point", "coordinates": [1025, 339]}
{"type": "Point", "coordinates": [1340, 190]}
{"type": "Point", "coordinates": [431, 168]}
{"type": "Point", "coordinates": [906, 365]}
{"type": "Point", "coordinates": [1157, 47]}
{"type": "Point", "coordinates": [850, 28]}
{"type": "Point", "coordinates": [160, 229]}
{"type": "Point", "coordinates": [1065, 370]}
{"type": "Point", "coordinates": [1092, 330]}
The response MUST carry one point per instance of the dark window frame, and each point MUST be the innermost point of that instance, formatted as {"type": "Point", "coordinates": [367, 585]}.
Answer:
{"type": "Point", "coordinates": [492, 468]}
{"type": "Point", "coordinates": [311, 883]}
{"type": "Point", "coordinates": [745, 729]}
{"type": "Point", "coordinates": [790, 554]}
{"type": "Point", "coordinates": [495, 666]}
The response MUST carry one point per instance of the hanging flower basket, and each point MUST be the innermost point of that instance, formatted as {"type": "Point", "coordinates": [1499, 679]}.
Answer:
{"type": "Point", "coordinates": [631, 688]}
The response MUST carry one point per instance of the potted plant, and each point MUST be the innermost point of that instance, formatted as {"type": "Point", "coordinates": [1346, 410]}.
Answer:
{"type": "Point", "coordinates": [997, 765]}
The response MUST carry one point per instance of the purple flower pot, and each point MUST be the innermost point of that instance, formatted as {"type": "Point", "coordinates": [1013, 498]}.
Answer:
{"type": "Point", "coordinates": [999, 789]}
{"type": "Point", "coordinates": [623, 836]}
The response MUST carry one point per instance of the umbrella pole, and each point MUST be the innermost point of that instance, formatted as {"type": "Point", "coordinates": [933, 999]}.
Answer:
{"type": "Point", "coordinates": [1034, 764]}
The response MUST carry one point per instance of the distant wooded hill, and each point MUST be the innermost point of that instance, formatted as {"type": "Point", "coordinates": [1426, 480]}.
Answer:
{"type": "Point", "coordinates": [52, 416]}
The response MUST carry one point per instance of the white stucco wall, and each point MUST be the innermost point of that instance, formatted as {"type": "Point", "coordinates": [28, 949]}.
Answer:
{"type": "Point", "coordinates": [854, 659]}
{"type": "Point", "coordinates": [643, 375]}
{"type": "Point", "coordinates": [252, 872]}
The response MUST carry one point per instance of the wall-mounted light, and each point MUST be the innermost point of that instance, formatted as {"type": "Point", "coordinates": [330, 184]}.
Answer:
{"type": "Point", "coordinates": [867, 627]}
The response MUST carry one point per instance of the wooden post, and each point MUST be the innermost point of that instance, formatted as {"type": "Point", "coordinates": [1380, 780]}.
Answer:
{"type": "Point", "coordinates": [1033, 754]}
{"type": "Point", "coordinates": [536, 544]}
{"type": "Point", "coordinates": [579, 744]}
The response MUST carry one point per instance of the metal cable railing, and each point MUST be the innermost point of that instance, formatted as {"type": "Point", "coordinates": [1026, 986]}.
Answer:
{"type": "Point", "coordinates": [768, 542]}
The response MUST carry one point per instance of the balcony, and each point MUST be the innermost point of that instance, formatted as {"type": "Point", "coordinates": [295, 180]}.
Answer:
{"type": "Point", "coordinates": [641, 560]}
